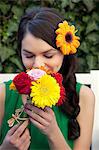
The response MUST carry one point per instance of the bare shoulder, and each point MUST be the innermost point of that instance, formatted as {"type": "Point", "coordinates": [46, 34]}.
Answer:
{"type": "Point", "coordinates": [85, 118]}
{"type": "Point", "coordinates": [86, 102]}
{"type": "Point", "coordinates": [2, 101]}
{"type": "Point", "coordinates": [86, 95]}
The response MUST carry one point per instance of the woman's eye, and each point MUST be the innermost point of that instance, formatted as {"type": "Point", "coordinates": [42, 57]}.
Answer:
{"type": "Point", "coordinates": [48, 56]}
{"type": "Point", "coordinates": [31, 56]}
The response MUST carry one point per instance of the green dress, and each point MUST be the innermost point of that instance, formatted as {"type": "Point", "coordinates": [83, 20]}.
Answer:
{"type": "Point", "coordinates": [13, 101]}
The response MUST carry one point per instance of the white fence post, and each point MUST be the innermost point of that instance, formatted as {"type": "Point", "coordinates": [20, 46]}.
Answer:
{"type": "Point", "coordinates": [84, 78]}
{"type": "Point", "coordinates": [5, 77]}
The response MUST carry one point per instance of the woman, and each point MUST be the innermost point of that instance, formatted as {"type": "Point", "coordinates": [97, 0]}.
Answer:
{"type": "Point", "coordinates": [60, 128]}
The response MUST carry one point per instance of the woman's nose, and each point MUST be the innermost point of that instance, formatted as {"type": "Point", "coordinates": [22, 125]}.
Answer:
{"type": "Point", "coordinates": [38, 62]}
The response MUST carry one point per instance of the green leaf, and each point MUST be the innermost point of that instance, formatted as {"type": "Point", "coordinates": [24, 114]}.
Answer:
{"type": "Point", "coordinates": [91, 61]}
{"type": "Point", "coordinates": [69, 16]}
{"type": "Point", "coordinates": [93, 38]}
{"type": "Point", "coordinates": [81, 29]}
{"type": "Point", "coordinates": [89, 4]}
{"type": "Point", "coordinates": [50, 1]}
{"type": "Point", "coordinates": [76, 1]}
{"type": "Point", "coordinates": [16, 61]}
{"type": "Point", "coordinates": [9, 67]}
{"type": "Point", "coordinates": [64, 3]}
{"type": "Point", "coordinates": [85, 18]}
{"type": "Point", "coordinates": [5, 52]}
{"type": "Point", "coordinates": [5, 36]}
{"type": "Point", "coordinates": [92, 25]}
{"type": "Point", "coordinates": [4, 7]}
{"type": "Point", "coordinates": [95, 16]}
{"type": "Point", "coordinates": [94, 51]}
{"type": "Point", "coordinates": [71, 5]}
{"type": "Point", "coordinates": [12, 27]}
{"type": "Point", "coordinates": [84, 47]}
{"type": "Point", "coordinates": [82, 66]}
{"type": "Point", "coordinates": [18, 11]}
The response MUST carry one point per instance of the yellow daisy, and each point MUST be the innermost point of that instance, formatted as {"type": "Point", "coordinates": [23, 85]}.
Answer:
{"type": "Point", "coordinates": [45, 91]}
{"type": "Point", "coordinates": [66, 38]}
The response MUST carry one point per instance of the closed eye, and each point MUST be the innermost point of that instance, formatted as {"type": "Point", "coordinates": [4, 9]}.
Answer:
{"type": "Point", "coordinates": [48, 55]}
{"type": "Point", "coordinates": [29, 56]}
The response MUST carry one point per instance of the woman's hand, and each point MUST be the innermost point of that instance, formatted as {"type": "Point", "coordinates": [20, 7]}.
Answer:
{"type": "Point", "coordinates": [17, 138]}
{"type": "Point", "coordinates": [43, 119]}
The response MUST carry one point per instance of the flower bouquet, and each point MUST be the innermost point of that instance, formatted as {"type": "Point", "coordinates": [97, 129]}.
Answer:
{"type": "Point", "coordinates": [43, 87]}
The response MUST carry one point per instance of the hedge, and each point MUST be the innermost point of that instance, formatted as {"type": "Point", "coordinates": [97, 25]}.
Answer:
{"type": "Point", "coordinates": [84, 14]}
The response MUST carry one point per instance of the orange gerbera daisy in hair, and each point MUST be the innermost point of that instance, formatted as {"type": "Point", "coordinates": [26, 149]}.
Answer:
{"type": "Point", "coordinates": [66, 38]}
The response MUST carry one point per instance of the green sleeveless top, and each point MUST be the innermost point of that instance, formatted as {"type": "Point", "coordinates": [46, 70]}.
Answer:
{"type": "Point", "coordinates": [13, 101]}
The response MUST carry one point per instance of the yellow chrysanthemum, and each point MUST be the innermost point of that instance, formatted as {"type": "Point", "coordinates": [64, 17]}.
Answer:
{"type": "Point", "coordinates": [66, 39]}
{"type": "Point", "coordinates": [12, 86]}
{"type": "Point", "coordinates": [45, 91]}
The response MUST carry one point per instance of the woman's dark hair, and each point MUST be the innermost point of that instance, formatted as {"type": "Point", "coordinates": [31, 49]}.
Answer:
{"type": "Point", "coordinates": [42, 23]}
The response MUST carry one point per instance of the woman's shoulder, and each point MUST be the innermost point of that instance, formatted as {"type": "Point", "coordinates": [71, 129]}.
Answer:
{"type": "Point", "coordinates": [2, 100]}
{"type": "Point", "coordinates": [87, 94]}
{"type": "Point", "coordinates": [86, 115]}
{"type": "Point", "coordinates": [4, 90]}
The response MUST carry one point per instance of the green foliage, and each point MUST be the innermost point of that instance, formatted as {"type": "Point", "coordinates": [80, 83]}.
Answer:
{"type": "Point", "coordinates": [82, 13]}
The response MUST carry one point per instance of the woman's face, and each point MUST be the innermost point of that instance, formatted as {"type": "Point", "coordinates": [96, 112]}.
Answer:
{"type": "Point", "coordinates": [36, 52]}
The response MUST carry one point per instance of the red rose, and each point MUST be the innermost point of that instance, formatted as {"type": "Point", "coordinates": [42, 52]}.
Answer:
{"type": "Point", "coordinates": [22, 83]}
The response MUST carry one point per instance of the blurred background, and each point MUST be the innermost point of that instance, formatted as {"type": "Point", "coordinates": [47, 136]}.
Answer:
{"type": "Point", "coordinates": [84, 14]}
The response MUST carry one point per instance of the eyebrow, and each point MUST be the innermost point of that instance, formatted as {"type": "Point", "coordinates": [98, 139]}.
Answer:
{"type": "Point", "coordinates": [25, 50]}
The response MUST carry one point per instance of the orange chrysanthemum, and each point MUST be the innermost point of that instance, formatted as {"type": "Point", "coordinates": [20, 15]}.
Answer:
{"type": "Point", "coordinates": [48, 71]}
{"type": "Point", "coordinates": [66, 38]}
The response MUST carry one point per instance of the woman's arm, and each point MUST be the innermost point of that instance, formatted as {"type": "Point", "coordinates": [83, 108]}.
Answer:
{"type": "Point", "coordinates": [57, 141]}
{"type": "Point", "coordinates": [45, 120]}
{"type": "Point", "coordinates": [85, 119]}
{"type": "Point", "coordinates": [2, 100]}
{"type": "Point", "coordinates": [18, 137]}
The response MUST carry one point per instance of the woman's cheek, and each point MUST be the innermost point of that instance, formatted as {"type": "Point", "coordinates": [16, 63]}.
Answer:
{"type": "Point", "coordinates": [28, 63]}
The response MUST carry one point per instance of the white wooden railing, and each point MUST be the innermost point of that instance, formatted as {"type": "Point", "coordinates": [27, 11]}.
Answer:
{"type": "Point", "coordinates": [91, 79]}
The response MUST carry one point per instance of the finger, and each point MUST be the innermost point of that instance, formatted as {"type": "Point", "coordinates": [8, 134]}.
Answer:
{"type": "Point", "coordinates": [21, 129]}
{"type": "Point", "coordinates": [23, 139]}
{"type": "Point", "coordinates": [37, 117]}
{"type": "Point", "coordinates": [26, 145]}
{"type": "Point", "coordinates": [20, 145]}
{"type": "Point", "coordinates": [25, 135]}
{"type": "Point", "coordinates": [48, 109]}
{"type": "Point", "coordinates": [13, 129]}
{"type": "Point", "coordinates": [38, 111]}
{"type": "Point", "coordinates": [37, 124]}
